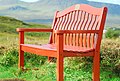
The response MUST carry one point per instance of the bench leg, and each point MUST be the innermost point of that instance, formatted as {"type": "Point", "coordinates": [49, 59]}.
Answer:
{"type": "Point", "coordinates": [60, 69]}
{"type": "Point", "coordinates": [21, 53]}
{"type": "Point", "coordinates": [96, 67]}
{"type": "Point", "coordinates": [21, 59]}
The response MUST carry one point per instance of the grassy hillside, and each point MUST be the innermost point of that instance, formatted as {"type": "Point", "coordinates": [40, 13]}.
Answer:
{"type": "Point", "coordinates": [9, 24]}
{"type": "Point", "coordinates": [77, 69]}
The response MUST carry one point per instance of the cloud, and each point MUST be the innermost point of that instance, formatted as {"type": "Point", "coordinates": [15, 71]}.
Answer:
{"type": "Point", "coordinates": [29, 0]}
{"type": "Point", "coordinates": [108, 1]}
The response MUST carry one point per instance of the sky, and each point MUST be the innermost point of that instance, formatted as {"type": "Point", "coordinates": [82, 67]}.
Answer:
{"type": "Point", "coordinates": [107, 1]}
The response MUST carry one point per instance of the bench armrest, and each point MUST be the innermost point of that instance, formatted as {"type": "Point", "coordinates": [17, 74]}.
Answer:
{"type": "Point", "coordinates": [34, 30]}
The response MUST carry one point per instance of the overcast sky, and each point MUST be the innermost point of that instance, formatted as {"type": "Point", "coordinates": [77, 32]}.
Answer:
{"type": "Point", "coordinates": [107, 1]}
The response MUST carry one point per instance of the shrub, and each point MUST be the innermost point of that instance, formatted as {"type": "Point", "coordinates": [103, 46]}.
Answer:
{"type": "Point", "coordinates": [10, 58]}
{"type": "Point", "coordinates": [110, 54]}
{"type": "Point", "coordinates": [112, 33]}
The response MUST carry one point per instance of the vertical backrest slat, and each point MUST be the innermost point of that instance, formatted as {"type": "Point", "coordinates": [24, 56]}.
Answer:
{"type": "Point", "coordinates": [79, 28]}
{"type": "Point", "coordinates": [59, 23]}
{"type": "Point", "coordinates": [83, 14]}
{"type": "Point", "coordinates": [67, 27]}
{"type": "Point", "coordinates": [70, 28]}
{"type": "Point", "coordinates": [79, 20]}
{"type": "Point", "coordinates": [84, 28]}
{"type": "Point", "coordinates": [64, 28]}
{"type": "Point", "coordinates": [76, 20]}
{"type": "Point", "coordinates": [56, 24]}
{"type": "Point", "coordinates": [55, 27]}
{"type": "Point", "coordinates": [82, 20]}
{"type": "Point", "coordinates": [95, 23]}
{"type": "Point", "coordinates": [94, 28]}
{"type": "Point", "coordinates": [73, 28]}
{"type": "Point", "coordinates": [89, 35]}
{"type": "Point", "coordinates": [62, 22]}
{"type": "Point", "coordinates": [76, 26]}
{"type": "Point", "coordinates": [90, 28]}
{"type": "Point", "coordinates": [65, 22]}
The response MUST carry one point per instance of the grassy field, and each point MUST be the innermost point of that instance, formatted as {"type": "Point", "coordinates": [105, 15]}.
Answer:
{"type": "Point", "coordinates": [75, 69]}
{"type": "Point", "coordinates": [45, 71]}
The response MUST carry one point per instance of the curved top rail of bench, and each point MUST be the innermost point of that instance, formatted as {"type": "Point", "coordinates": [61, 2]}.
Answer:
{"type": "Point", "coordinates": [82, 7]}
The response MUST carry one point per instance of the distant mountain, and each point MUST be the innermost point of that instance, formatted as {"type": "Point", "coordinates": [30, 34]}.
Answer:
{"type": "Point", "coordinates": [42, 21]}
{"type": "Point", "coordinates": [44, 9]}
{"type": "Point", "coordinates": [14, 8]}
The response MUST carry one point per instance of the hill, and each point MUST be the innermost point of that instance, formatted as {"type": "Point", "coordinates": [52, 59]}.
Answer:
{"type": "Point", "coordinates": [9, 25]}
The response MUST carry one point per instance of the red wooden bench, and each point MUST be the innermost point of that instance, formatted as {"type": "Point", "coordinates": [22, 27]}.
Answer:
{"type": "Point", "coordinates": [76, 32]}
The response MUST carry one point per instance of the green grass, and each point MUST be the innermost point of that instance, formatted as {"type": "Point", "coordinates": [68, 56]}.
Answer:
{"type": "Point", "coordinates": [46, 71]}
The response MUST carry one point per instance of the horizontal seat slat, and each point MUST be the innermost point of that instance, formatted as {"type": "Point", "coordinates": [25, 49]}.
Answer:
{"type": "Point", "coordinates": [39, 50]}
{"type": "Point", "coordinates": [76, 54]}
{"type": "Point", "coordinates": [43, 49]}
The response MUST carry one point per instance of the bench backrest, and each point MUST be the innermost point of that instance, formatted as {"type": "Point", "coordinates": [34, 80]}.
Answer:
{"type": "Point", "coordinates": [80, 17]}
